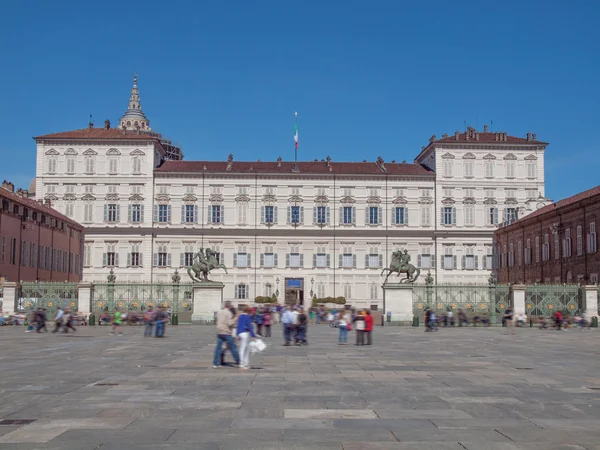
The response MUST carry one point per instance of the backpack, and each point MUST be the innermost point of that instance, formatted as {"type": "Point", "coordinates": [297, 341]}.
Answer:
{"type": "Point", "coordinates": [302, 319]}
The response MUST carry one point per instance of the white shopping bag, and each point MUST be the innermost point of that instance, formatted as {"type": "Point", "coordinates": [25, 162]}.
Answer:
{"type": "Point", "coordinates": [257, 346]}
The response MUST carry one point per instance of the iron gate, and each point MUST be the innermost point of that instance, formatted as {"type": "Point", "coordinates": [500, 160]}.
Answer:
{"type": "Point", "coordinates": [48, 295]}
{"type": "Point", "coordinates": [546, 299]}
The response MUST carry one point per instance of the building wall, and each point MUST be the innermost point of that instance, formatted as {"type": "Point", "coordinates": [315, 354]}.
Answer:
{"type": "Point", "coordinates": [562, 263]}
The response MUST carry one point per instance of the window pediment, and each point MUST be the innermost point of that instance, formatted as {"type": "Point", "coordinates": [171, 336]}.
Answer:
{"type": "Point", "coordinates": [468, 156]}
{"type": "Point", "coordinates": [52, 197]}
{"type": "Point", "coordinates": [347, 200]}
{"type": "Point", "coordinates": [242, 198]}
{"type": "Point", "coordinates": [90, 152]}
{"type": "Point", "coordinates": [70, 151]}
{"type": "Point", "coordinates": [321, 199]}
{"type": "Point", "coordinates": [448, 201]}
{"type": "Point", "coordinates": [269, 198]}
{"type": "Point", "coordinates": [137, 152]}
{"type": "Point", "coordinates": [510, 157]}
{"type": "Point", "coordinates": [295, 199]}
{"type": "Point", "coordinates": [489, 156]}
{"type": "Point", "coordinates": [373, 200]}
{"type": "Point", "coordinates": [88, 198]}
{"type": "Point", "coordinates": [469, 201]}
{"type": "Point", "coordinates": [136, 198]}
{"type": "Point", "coordinates": [190, 198]}
{"type": "Point", "coordinates": [426, 201]}
{"type": "Point", "coordinates": [52, 152]}
{"type": "Point", "coordinates": [163, 198]}
{"type": "Point", "coordinates": [511, 201]}
{"type": "Point", "coordinates": [531, 158]}
{"type": "Point", "coordinates": [490, 201]}
{"type": "Point", "coordinates": [399, 201]}
{"type": "Point", "coordinates": [69, 197]}
{"type": "Point", "coordinates": [112, 197]}
{"type": "Point", "coordinates": [113, 151]}
{"type": "Point", "coordinates": [215, 198]}
{"type": "Point", "coordinates": [447, 156]}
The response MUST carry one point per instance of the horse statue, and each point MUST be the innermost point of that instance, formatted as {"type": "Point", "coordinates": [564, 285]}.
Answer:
{"type": "Point", "coordinates": [204, 262]}
{"type": "Point", "coordinates": [401, 264]}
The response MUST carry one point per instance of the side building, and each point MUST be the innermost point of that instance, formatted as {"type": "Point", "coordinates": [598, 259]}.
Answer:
{"type": "Point", "coordinates": [558, 243]}
{"type": "Point", "coordinates": [37, 242]}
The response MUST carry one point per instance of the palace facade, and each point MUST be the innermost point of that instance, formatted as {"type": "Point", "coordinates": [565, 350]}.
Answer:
{"type": "Point", "coordinates": [322, 227]}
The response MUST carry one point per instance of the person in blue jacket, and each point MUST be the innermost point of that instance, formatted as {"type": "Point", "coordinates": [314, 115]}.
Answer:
{"type": "Point", "coordinates": [245, 331]}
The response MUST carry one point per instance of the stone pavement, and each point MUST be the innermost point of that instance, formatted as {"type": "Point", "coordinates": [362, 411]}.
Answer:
{"type": "Point", "coordinates": [458, 389]}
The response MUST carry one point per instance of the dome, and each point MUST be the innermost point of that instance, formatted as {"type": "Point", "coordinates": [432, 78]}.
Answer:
{"type": "Point", "coordinates": [32, 187]}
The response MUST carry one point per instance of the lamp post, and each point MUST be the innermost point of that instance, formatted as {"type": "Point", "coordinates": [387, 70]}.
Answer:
{"type": "Point", "coordinates": [312, 283]}
{"type": "Point", "coordinates": [277, 290]}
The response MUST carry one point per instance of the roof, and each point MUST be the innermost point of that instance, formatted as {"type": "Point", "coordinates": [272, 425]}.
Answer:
{"type": "Point", "coordinates": [488, 138]}
{"type": "Point", "coordinates": [305, 168]}
{"type": "Point", "coordinates": [564, 202]}
{"type": "Point", "coordinates": [37, 206]}
{"type": "Point", "coordinates": [100, 133]}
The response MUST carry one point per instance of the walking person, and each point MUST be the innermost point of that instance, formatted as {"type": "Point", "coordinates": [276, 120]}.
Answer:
{"type": "Point", "coordinates": [368, 327]}
{"type": "Point", "coordinates": [160, 320]}
{"type": "Point", "coordinates": [359, 326]}
{"type": "Point", "coordinates": [301, 328]}
{"type": "Point", "coordinates": [148, 321]}
{"type": "Point", "coordinates": [267, 322]}
{"type": "Point", "coordinates": [259, 319]}
{"type": "Point", "coordinates": [343, 321]}
{"type": "Point", "coordinates": [508, 320]}
{"type": "Point", "coordinates": [58, 320]}
{"type": "Point", "coordinates": [68, 321]}
{"type": "Point", "coordinates": [116, 323]}
{"type": "Point", "coordinates": [225, 322]}
{"type": "Point", "coordinates": [287, 319]}
{"type": "Point", "coordinates": [245, 331]}
{"type": "Point", "coordinates": [41, 320]}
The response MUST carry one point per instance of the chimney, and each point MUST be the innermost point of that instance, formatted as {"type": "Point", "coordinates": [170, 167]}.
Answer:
{"type": "Point", "coordinates": [107, 124]}
{"type": "Point", "coordinates": [534, 137]}
{"type": "Point", "coordinates": [444, 136]}
{"type": "Point", "coordinates": [48, 203]}
{"type": "Point", "coordinates": [485, 128]}
{"type": "Point", "coordinates": [456, 134]}
{"type": "Point", "coordinates": [477, 136]}
{"type": "Point", "coordinates": [279, 161]}
{"type": "Point", "coordinates": [8, 186]}
{"type": "Point", "coordinates": [505, 136]}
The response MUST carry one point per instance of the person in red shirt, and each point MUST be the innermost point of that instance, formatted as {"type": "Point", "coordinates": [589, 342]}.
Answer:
{"type": "Point", "coordinates": [368, 326]}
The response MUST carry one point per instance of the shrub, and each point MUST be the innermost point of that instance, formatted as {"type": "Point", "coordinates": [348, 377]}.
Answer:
{"type": "Point", "coordinates": [271, 299]}
{"type": "Point", "coordinates": [336, 300]}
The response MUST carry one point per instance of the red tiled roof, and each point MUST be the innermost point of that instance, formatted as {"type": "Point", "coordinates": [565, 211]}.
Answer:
{"type": "Point", "coordinates": [564, 203]}
{"type": "Point", "coordinates": [99, 133]}
{"type": "Point", "coordinates": [487, 138]}
{"type": "Point", "coordinates": [305, 167]}
{"type": "Point", "coordinates": [37, 206]}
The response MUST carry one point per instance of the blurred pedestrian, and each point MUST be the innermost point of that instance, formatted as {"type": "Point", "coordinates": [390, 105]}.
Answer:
{"type": "Point", "coordinates": [368, 327]}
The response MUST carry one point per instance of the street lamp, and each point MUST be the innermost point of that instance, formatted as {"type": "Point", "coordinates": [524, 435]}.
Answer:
{"type": "Point", "coordinates": [277, 290]}
{"type": "Point", "coordinates": [312, 282]}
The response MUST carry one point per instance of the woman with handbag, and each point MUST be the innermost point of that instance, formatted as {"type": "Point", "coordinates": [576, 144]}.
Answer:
{"type": "Point", "coordinates": [245, 330]}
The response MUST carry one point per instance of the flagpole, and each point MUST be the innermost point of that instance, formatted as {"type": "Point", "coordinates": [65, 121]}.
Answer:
{"type": "Point", "coordinates": [296, 143]}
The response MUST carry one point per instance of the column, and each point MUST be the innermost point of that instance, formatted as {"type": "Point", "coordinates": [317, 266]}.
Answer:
{"type": "Point", "coordinates": [398, 303]}
{"type": "Point", "coordinates": [590, 306]}
{"type": "Point", "coordinates": [519, 298]}
{"type": "Point", "coordinates": [84, 294]}
{"type": "Point", "coordinates": [10, 294]}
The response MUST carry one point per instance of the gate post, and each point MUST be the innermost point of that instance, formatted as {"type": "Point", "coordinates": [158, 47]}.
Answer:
{"type": "Point", "coordinates": [84, 294]}
{"type": "Point", "coordinates": [492, 295]}
{"type": "Point", "coordinates": [519, 299]}
{"type": "Point", "coordinates": [590, 306]}
{"type": "Point", "coordinates": [10, 297]}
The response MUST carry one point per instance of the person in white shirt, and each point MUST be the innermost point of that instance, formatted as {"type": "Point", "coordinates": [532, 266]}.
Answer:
{"type": "Point", "coordinates": [58, 320]}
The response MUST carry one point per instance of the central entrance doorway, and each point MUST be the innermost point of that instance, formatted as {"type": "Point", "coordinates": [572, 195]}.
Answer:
{"type": "Point", "coordinates": [294, 291]}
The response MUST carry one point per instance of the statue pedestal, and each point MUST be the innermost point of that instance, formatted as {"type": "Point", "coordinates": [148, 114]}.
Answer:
{"type": "Point", "coordinates": [208, 299]}
{"type": "Point", "coordinates": [398, 303]}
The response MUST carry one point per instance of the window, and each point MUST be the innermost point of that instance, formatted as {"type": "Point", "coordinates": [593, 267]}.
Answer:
{"type": "Point", "coordinates": [294, 214]}
{"type": "Point", "coordinates": [448, 192]}
{"type": "Point", "coordinates": [320, 290]}
{"type": "Point", "coordinates": [531, 169]}
{"type": "Point", "coordinates": [188, 189]}
{"type": "Point", "coordinates": [347, 258]}
{"type": "Point", "coordinates": [448, 259]}
{"type": "Point", "coordinates": [112, 188]}
{"type": "Point", "coordinates": [268, 290]}
{"type": "Point", "coordinates": [135, 257]}
{"type": "Point", "coordinates": [425, 215]}
{"type": "Point", "coordinates": [510, 215]}
{"type": "Point", "coordinates": [242, 257]}
{"type": "Point", "coordinates": [510, 169]}
{"type": "Point", "coordinates": [556, 246]}
{"type": "Point", "coordinates": [468, 166]}
{"type": "Point", "coordinates": [448, 215]}
{"type": "Point", "coordinates": [13, 251]}
{"type": "Point", "coordinates": [295, 191]}
{"type": "Point", "coordinates": [567, 244]}
{"type": "Point", "coordinates": [269, 190]}
{"type": "Point", "coordinates": [69, 209]}
{"type": "Point", "coordinates": [3, 254]}
{"type": "Point", "coordinates": [489, 168]}
{"type": "Point", "coordinates": [425, 259]}
{"type": "Point", "coordinates": [546, 248]}
{"type": "Point", "coordinates": [136, 164]}
{"type": "Point", "coordinates": [51, 188]}
{"type": "Point", "coordinates": [399, 192]}
{"type": "Point", "coordinates": [488, 258]}
{"type": "Point", "coordinates": [528, 252]}
{"type": "Point", "coordinates": [52, 165]}
{"type": "Point", "coordinates": [111, 213]}
{"type": "Point", "coordinates": [269, 214]}
{"type": "Point", "coordinates": [295, 258]}
{"type": "Point", "coordinates": [400, 215]}
{"type": "Point", "coordinates": [24, 253]}
{"type": "Point", "coordinates": [189, 214]}
{"type": "Point", "coordinates": [373, 215]}
{"type": "Point", "coordinates": [88, 212]}
{"type": "Point", "coordinates": [241, 291]}
{"type": "Point", "coordinates": [321, 192]}
{"type": "Point", "coordinates": [322, 215]}
{"type": "Point", "coordinates": [136, 213]}
{"type": "Point", "coordinates": [347, 192]}
{"type": "Point", "coordinates": [216, 190]}
{"type": "Point", "coordinates": [520, 253]}
{"type": "Point", "coordinates": [112, 165]}
{"type": "Point", "coordinates": [579, 240]}
{"type": "Point", "coordinates": [111, 257]}
{"type": "Point", "coordinates": [373, 260]}
{"type": "Point", "coordinates": [348, 291]}
{"type": "Point", "coordinates": [426, 193]}
{"type": "Point", "coordinates": [469, 258]}
{"type": "Point", "coordinates": [531, 194]}
{"type": "Point", "coordinates": [269, 257]}
{"type": "Point", "coordinates": [321, 259]}
{"type": "Point", "coordinates": [162, 189]}
{"type": "Point", "coordinates": [511, 255]}
{"type": "Point", "coordinates": [489, 193]}
{"type": "Point", "coordinates": [90, 165]}
{"type": "Point", "coordinates": [373, 291]}
{"type": "Point", "coordinates": [592, 243]}
{"type": "Point", "coordinates": [242, 213]}
{"type": "Point", "coordinates": [70, 188]}
{"type": "Point", "coordinates": [88, 188]}
{"type": "Point", "coordinates": [162, 258]}
{"type": "Point", "coordinates": [469, 215]}
{"type": "Point", "coordinates": [492, 217]}
{"type": "Point", "coordinates": [447, 168]}
{"type": "Point", "coordinates": [373, 192]}
{"type": "Point", "coordinates": [70, 165]}
{"type": "Point", "coordinates": [162, 213]}
{"type": "Point", "coordinates": [187, 256]}
{"type": "Point", "coordinates": [537, 249]}
{"type": "Point", "coordinates": [242, 190]}
{"type": "Point", "coordinates": [469, 192]}
{"type": "Point", "coordinates": [348, 215]}
{"type": "Point", "coordinates": [49, 258]}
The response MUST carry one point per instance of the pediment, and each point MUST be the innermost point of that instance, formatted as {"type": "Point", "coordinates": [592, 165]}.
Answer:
{"type": "Point", "coordinates": [52, 152]}
{"type": "Point", "coordinates": [90, 152]}
{"type": "Point", "coordinates": [490, 201]}
{"type": "Point", "coordinates": [51, 197]}
{"type": "Point", "coordinates": [469, 201]}
{"type": "Point", "coordinates": [163, 198]}
{"type": "Point", "coordinates": [448, 201]}
{"type": "Point", "coordinates": [190, 198]}
{"type": "Point", "coordinates": [426, 201]}
{"type": "Point", "coordinates": [69, 197]}
{"type": "Point", "coordinates": [447, 156]}
{"type": "Point", "coordinates": [70, 151]}
{"type": "Point", "coordinates": [510, 157]}
{"type": "Point", "coordinates": [136, 198]}
{"type": "Point", "coordinates": [112, 197]}
{"type": "Point", "coordinates": [242, 198]}
{"type": "Point", "coordinates": [347, 199]}
{"type": "Point", "coordinates": [373, 200]}
{"type": "Point", "coordinates": [137, 152]}
{"type": "Point", "coordinates": [215, 198]}
{"type": "Point", "coordinates": [295, 199]}
{"type": "Point", "coordinates": [468, 156]}
{"type": "Point", "coordinates": [531, 158]}
{"type": "Point", "coordinates": [400, 201]}
{"type": "Point", "coordinates": [269, 198]}
{"type": "Point", "coordinates": [113, 151]}
{"type": "Point", "coordinates": [489, 156]}
{"type": "Point", "coordinates": [511, 201]}
{"type": "Point", "coordinates": [321, 199]}
{"type": "Point", "coordinates": [88, 198]}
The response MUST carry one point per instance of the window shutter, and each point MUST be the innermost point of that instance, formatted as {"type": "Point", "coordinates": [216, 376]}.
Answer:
{"type": "Point", "coordinates": [393, 212]}
{"type": "Point", "coordinates": [405, 215]}
{"type": "Point", "coordinates": [328, 260]}
{"type": "Point", "coordinates": [116, 260]}
{"type": "Point", "coordinates": [274, 214]}
{"type": "Point", "coordinates": [118, 213]}
{"type": "Point", "coordinates": [314, 214]}
{"type": "Point", "coordinates": [433, 261]}
{"type": "Point", "coordinates": [327, 215]}
{"type": "Point", "coordinates": [354, 260]}
{"type": "Point", "coordinates": [302, 214]}
{"type": "Point", "coordinates": [442, 262]}
{"type": "Point", "coordinates": [222, 213]}
{"type": "Point", "coordinates": [235, 260]}
{"type": "Point", "coordinates": [463, 262]}
{"type": "Point", "coordinates": [453, 216]}
{"type": "Point", "coordinates": [495, 216]}
{"type": "Point", "coordinates": [380, 215]}
{"type": "Point", "coordinates": [341, 260]}
{"type": "Point", "coordinates": [287, 260]}
{"type": "Point", "coordinates": [128, 259]}
{"type": "Point", "coordinates": [155, 218]}
{"type": "Point", "coordinates": [454, 258]}
{"type": "Point", "coordinates": [419, 261]}
{"type": "Point", "coordinates": [104, 259]}
{"type": "Point", "coordinates": [366, 261]}
{"type": "Point", "coordinates": [262, 214]}
{"type": "Point", "coordinates": [367, 215]}
{"type": "Point", "coordinates": [168, 260]}
{"type": "Point", "coordinates": [155, 259]}
{"type": "Point", "coordinates": [275, 259]}
{"type": "Point", "coordinates": [380, 261]}
{"type": "Point", "coordinates": [262, 260]}
{"type": "Point", "coordinates": [314, 260]}
{"type": "Point", "coordinates": [182, 213]}
{"type": "Point", "coordinates": [181, 259]}
{"type": "Point", "coordinates": [169, 213]}
{"type": "Point", "coordinates": [249, 260]}
{"type": "Point", "coordinates": [476, 258]}
{"type": "Point", "coordinates": [128, 215]}
{"type": "Point", "coordinates": [221, 258]}
{"type": "Point", "coordinates": [301, 259]}
{"type": "Point", "coordinates": [289, 214]}
{"type": "Point", "coordinates": [106, 213]}
{"type": "Point", "coordinates": [141, 213]}
{"type": "Point", "coordinates": [341, 215]}
{"type": "Point", "coordinates": [208, 214]}
{"type": "Point", "coordinates": [484, 259]}
{"type": "Point", "coordinates": [353, 215]}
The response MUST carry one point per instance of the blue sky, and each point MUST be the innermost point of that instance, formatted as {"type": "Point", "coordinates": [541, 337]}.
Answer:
{"type": "Point", "coordinates": [367, 78]}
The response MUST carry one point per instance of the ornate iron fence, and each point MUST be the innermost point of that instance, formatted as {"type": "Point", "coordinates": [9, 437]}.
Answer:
{"type": "Point", "coordinates": [48, 295]}
{"type": "Point", "coordinates": [137, 297]}
{"type": "Point", "coordinates": [546, 299]}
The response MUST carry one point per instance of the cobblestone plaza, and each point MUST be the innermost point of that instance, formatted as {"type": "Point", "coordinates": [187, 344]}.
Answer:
{"type": "Point", "coordinates": [474, 389]}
